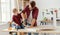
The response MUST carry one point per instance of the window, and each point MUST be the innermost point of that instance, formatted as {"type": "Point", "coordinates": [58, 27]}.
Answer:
{"type": "Point", "coordinates": [6, 7]}
{"type": "Point", "coordinates": [5, 10]}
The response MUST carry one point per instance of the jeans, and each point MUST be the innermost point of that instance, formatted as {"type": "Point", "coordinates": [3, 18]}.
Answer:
{"type": "Point", "coordinates": [17, 27]}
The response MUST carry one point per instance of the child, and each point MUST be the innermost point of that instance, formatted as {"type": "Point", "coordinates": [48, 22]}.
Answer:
{"type": "Point", "coordinates": [17, 19]}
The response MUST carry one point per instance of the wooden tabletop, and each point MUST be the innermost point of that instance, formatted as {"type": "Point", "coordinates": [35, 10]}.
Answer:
{"type": "Point", "coordinates": [6, 30]}
{"type": "Point", "coordinates": [36, 29]}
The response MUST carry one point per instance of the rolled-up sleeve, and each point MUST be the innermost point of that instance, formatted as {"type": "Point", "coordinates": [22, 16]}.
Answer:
{"type": "Point", "coordinates": [35, 14]}
{"type": "Point", "coordinates": [25, 9]}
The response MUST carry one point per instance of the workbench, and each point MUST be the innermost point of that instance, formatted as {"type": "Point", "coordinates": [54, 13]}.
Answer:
{"type": "Point", "coordinates": [53, 30]}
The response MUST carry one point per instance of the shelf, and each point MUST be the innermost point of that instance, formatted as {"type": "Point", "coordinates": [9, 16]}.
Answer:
{"type": "Point", "coordinates": [48, 21]}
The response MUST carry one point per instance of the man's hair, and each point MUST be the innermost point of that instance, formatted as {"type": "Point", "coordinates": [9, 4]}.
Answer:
{"type": "Point", "coordinates": [32, 3]}
{"type": "Point", "coordinates": [15, 10]}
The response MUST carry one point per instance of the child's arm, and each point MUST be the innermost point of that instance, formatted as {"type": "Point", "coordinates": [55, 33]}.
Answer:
{"type": "Point", "coordinates": [10, 22]}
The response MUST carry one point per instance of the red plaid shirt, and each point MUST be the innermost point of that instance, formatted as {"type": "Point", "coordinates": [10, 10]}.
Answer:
{"type": "Point", "coordinates": [17, 19]}
{"type": "Point", "coordinates": [34, 13]}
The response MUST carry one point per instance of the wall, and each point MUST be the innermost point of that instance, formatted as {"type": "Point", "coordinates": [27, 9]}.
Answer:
{"type": "Point", "coordinates": [46, 4]}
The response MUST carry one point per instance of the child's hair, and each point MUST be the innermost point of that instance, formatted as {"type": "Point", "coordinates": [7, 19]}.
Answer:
{"type": "Point", "coordinates": [15, 10]}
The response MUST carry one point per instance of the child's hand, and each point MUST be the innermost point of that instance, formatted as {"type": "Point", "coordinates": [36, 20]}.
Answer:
{"type": "Point", "coordinates": [10, 22]}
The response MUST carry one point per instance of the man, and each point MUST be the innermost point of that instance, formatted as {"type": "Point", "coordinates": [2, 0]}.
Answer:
{"type": "Point", "coordinates": [31, 13]}
{"type": "Point", "coordinates": [34, 13]}
{"type": "Point", "coordinates": [27, 12]}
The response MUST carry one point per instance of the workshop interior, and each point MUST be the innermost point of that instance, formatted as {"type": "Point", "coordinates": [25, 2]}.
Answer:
{"type": "Point", "coordinates": [29, 17]}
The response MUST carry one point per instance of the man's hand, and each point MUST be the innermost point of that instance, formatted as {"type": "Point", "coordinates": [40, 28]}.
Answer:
{"type": "Point", "coordinates": [29, 26]}
{"type": "Point", "coordinates": [32, 23]}
{"type": "Point", "coordinates": [16, 24]}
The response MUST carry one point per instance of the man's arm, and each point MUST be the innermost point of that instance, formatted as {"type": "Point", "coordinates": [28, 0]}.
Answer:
{"type": "Point", "coordinates": [24, 16]}
{"type": "Point", "coordinates": [32, 23]}
{"type": "Point", "coordinates": [34, 18]}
